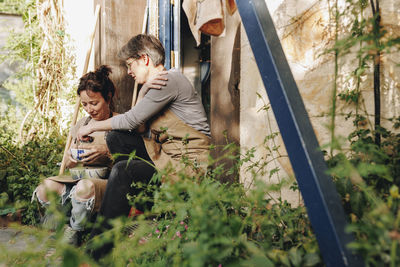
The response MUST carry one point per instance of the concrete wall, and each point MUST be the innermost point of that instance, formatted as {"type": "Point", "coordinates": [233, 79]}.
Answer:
{"type": "Point", "coordinates": [7, 68]}
{"type": "Point", "coordinates": [305, 29]}
{"type": "Point", "coordinates": [118, 22]}
{"type": "Point", "coordinates": [79, 19]}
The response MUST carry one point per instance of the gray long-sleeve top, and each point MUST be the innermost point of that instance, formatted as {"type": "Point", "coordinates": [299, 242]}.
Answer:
{"type": "Point", "coordinates": [180, 97]}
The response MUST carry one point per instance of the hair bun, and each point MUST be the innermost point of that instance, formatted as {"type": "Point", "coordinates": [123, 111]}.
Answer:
{"type": "Point", "coordinates": [103, 70]}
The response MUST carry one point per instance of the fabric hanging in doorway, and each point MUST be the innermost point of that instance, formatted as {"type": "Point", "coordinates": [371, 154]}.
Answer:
{"type": "Point", "coordinates": [204, 16]}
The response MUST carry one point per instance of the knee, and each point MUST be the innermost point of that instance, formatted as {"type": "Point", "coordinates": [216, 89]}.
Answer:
{"type": "Point", "coordinates": [41, 193]}
{"type": "Point", "coordinates": [49, 186]}
{"type": "Point", "coordinates": [84, 189]}
{"type": "Point", "coordinates": [117, 174]}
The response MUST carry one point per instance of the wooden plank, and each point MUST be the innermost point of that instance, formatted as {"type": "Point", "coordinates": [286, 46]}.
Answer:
{"type": "Point", "coordinates": [224, 93]}
{"type": "Point", "coordinates": [119, 21]}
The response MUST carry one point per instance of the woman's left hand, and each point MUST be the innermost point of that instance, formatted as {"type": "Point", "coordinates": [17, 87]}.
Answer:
{"type": "Point", "coordinates": [70, 162]}
{"type": "Point", "coordinates": [95, 152]}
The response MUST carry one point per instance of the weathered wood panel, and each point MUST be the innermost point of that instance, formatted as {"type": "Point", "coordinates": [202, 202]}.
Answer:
{"type": "Point", "coordinates": [224, 95]}
{"type": "Point", "coordinates": [119, 21]}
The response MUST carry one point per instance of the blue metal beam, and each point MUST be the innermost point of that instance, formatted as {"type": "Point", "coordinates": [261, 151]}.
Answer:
{"type": "Point", "coordinates": [165, 36]}
{"type": "Point", "coordinates": [176, 32]}
{"type": "Point", "coordinates": [317, 188]}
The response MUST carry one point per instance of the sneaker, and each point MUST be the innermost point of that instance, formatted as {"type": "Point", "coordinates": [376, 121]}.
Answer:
{"type": "Point", "coordinates": [70, 236]}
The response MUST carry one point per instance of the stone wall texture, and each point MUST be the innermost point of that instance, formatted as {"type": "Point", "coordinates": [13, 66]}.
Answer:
{"type": "Point", "coordinates": [306, 29]}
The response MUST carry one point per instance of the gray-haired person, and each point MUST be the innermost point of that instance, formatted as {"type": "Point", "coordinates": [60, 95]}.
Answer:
{"type": "Point", "coordinates": [176, 126]}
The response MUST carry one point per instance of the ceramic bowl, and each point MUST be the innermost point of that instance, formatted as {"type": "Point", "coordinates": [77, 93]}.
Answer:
{"type": "Point", "coordinates": [97, 172]}
{"type": "Point", "coordinates": [77, 153]}
{"type": "Point", "coordinates": [78, 173]}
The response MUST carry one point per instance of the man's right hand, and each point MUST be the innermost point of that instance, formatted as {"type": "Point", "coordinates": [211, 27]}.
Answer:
{"type": "Point", "coordinates": [157, 82]}
{"type": "Point", "coordinates": [83, 133]}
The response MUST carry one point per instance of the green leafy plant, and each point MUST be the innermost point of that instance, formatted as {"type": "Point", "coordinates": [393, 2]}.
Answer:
{"type": "Point", "coordinates": [366, 172]}
{"type": "Point", "coordinates": [22, 167]}
{"type": "Point", "coordinates": [42, 81]}
{"type": "Point", "coordinates": [200, 221]}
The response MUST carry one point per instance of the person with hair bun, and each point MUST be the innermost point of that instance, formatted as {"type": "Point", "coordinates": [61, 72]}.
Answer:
{"type": "Point", "coordinates": [81, 197]}
{"type": "Point", "coordinates": [96, 91]}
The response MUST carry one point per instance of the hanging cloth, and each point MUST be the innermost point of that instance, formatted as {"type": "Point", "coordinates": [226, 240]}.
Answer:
{"type": "Point", "coordinates": [210, 17]}
{"type": "Point", "coordinates": [231, 6]}
{"type": "Point", "coordinates": [204, 16]}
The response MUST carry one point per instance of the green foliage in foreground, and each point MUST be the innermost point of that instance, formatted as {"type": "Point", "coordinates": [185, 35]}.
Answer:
{"type": "Point", "coordinates": [367, 178]}
{"type": "Point", "coordinates": [22, 167]}
{"type": "Point", "coordinates": [200, 221]}
{"type": "Point", "coordinates": [197, 224]}
{"type": "Point", "coordinates": [208, 223]}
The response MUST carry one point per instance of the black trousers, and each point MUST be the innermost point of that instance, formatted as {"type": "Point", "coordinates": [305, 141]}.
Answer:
{"type": "Point", "coordinates": [123, 174]}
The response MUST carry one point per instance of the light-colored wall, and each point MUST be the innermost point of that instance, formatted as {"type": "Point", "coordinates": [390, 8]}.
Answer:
{"type": "Point", "coordinates": [7, 68]}
{"type": "Point", "coordinates": [79, 20]}
{"type": "Point", "coordinates": [79, 25]}
{"type": "Point", "coordinates": [305, 29]}
{"type": "Point", "coordinates": [118, 21]}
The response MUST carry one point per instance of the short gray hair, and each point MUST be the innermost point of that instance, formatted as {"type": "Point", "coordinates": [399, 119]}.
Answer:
{"type": "Point", "coordinates": [143, 44]}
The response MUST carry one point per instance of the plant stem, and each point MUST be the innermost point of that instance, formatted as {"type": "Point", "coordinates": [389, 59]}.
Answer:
{"type": "Point", "coordinates": [377, 97]}
{"type": "Point", "coordinates": [377, 66]}
{"type": "Point", "coordinates": [333, 110]}
{"type": "Point", "coordinates": [137, 157]}
{"type": "Point", "coordinates": [393, 253]}
{"type": "Point", "coordinates": [12, 155]}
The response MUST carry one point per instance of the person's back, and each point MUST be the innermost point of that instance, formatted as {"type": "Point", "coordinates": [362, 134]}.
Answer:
{"type": "Point", "coordinates": [178, 95]}
{"type": "Point", "coordinates": [188, 106]}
